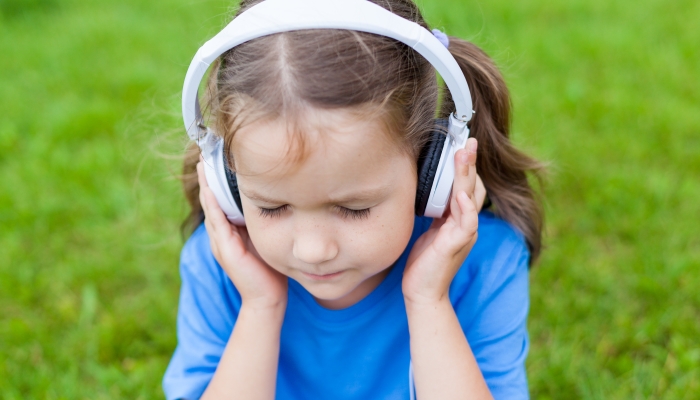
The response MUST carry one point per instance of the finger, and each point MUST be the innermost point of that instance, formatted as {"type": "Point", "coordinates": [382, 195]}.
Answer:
{"type": "Point", "coordinates": [201, 176]}
{"type": "Point", "coordinates": [202, 180]}
{"type": "Point", "coordinates": [460, 183]}
{"type": "Point", "coordinates": [479, 193]}
{"type": "Point", "coordinates": [212, 210]}
{"type": "Point", "coordinates": [454, 209]}
{"type": "Point", "coordinates": [465, 172]}
{"type": "Point", "coordinates": [469, 221]}
{"type": "Point", "coordinates": [465, 168]}
{"type": "Point", "coordinates": [470, 166]}
{"type": "Point", "coordinates": [212, 238]}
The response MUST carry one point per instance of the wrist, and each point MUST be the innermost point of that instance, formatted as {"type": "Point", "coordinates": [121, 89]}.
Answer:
{"type": "Point", "coordinates": [423, 304]}
{"type": "Point", "coordinates": [264, 311]}
{"type": "Point", "coordinates": [267, 301]}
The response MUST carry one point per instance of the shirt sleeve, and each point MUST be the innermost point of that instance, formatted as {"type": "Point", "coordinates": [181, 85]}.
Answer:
{"type": "Point", "coordinates": [207, 311]}
{"type": "Point", "coordinates": [491, 299]}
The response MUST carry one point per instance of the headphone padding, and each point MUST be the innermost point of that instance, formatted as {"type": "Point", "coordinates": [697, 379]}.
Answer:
{"type": "Point", "coordinates": [428, 162]}
{"type": "Point", "coordinates": [232, 184]}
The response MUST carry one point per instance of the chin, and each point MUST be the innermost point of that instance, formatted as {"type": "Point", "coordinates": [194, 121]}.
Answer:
{"type": "Point", "coordinates": [338, 292]}
{"type": "Point", "coordinates": [326, 291]}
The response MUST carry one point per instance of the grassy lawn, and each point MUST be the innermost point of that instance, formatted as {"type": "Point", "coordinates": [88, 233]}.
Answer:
{"type": "Point", "coordinates": [605, 90]}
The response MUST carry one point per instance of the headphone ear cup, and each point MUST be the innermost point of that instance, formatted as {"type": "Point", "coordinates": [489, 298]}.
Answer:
{"type": "Point", "coordinates": [428, 162]}
{"type": "Point", "coordinates": [232, 184]}
{"type": "Point", "coordinates": [215, 172]}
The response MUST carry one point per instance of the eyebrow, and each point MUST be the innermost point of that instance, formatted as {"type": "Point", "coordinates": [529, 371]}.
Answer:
{"type": "Point", "coordinates": [362, 195]}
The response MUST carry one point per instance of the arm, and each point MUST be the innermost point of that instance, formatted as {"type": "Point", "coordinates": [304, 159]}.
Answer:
{"type": "Point", "coordinates": [248, 367]}
{"type": "Point", "coordinates": [209, 309]}
{"type": "Point", "coordinates": [443, 363]}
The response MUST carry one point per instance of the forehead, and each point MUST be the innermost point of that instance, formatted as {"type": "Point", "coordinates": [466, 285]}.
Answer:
{"type": "Point", "coordinates": [331, 155]}
{"type": "Point", "coordinates": [318, 138]}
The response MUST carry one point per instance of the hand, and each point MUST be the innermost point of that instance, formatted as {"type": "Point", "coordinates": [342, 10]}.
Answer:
{"type": "Point", "coordinates": [260, 286]}
{"type": "Point", "coordinates": [439, 252]}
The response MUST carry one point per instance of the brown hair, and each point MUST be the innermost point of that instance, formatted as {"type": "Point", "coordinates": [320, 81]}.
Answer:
{"type": "Point", "coordinates": [278, 75]}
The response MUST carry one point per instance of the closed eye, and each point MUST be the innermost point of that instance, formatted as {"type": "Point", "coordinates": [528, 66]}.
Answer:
{"type": "Point", "coordinates": [273, 212]}
{"type": "Point", "coordinates": [344, 212]}
{"type": "Point", "coordinates": [354, 214]}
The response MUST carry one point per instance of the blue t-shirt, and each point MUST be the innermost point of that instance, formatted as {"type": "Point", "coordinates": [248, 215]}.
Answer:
{"type": "Point", "coordinates": [361, 352]}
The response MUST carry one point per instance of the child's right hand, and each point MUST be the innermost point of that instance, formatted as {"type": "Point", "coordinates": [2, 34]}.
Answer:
{"type": "Point", "coordinates": [260, 286]}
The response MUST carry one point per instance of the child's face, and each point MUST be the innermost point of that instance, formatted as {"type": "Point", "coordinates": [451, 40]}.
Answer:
{"type": "Point", "coordinates": [335, 221]}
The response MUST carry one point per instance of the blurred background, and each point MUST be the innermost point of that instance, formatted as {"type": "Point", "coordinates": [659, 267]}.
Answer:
{"type": "Point", "coordinates": [606, 91]}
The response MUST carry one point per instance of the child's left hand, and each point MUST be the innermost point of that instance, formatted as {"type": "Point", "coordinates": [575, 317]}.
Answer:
{"type": "Point", "coordinates": [440, 251]}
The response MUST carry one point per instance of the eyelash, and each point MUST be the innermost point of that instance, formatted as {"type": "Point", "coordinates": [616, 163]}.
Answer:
{"type": "Point", "coordinates": [272, 212]}
{"type": "Point", "coordinates": [344, 212]}
{"type": "Point", "coordinates": [354, 214]}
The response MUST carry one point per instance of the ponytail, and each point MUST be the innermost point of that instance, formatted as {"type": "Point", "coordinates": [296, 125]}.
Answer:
{"type": "Point", "coordinates": [503, 169]}
{"type": "Point", "coordinates": [190, 185]}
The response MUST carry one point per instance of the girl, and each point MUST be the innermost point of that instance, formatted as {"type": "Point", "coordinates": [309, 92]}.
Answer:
{"type": "Point", "coordinates": [334, 289]}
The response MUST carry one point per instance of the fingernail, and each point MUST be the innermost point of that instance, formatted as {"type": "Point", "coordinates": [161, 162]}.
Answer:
{"type": "Point", "coordinates": [472, 146]}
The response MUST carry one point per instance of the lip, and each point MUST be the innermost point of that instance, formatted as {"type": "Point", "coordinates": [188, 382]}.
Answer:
{"type": "Point", "coordinates": [325, 277]}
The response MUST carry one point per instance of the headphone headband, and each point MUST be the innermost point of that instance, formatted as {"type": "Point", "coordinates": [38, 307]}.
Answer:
{"type": "Point", "coordinates": [276, 16]}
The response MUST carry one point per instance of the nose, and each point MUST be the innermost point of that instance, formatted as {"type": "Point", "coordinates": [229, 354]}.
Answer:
{"type": "Point", "coordinates": [314, 248]}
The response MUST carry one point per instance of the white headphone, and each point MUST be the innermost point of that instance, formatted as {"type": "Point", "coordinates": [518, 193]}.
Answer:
{"type": "Point", "coordinates": [276, 16]}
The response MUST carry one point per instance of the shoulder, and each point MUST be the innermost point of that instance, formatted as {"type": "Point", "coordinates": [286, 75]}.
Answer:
{"type": "Point", "coordinates": [196, 257]}
{"type": "Point", "coordinates": [497, 239]}
{"type": "Point", "coordinates": [197, 244]}
{"type": "Point", "coordinates": [209, 303]}
{"type": "Point", "coordinates": [499, 254]}
{"type": "Point", "coordinates": [498, 242]}
{"type": "Point", "coordinates": [199, 268]}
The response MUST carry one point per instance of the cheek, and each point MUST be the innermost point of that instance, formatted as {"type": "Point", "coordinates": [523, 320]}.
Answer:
{"type": "Point", "coordinates": [386, 235]}
{"type": "Point", "coordinates": [269, 238]}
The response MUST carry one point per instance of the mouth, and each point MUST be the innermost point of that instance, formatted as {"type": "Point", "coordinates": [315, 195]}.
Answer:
{"type": "Point", "coordinates": [324, 277]}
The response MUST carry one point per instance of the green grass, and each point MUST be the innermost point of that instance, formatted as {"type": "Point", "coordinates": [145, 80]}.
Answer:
{"type": "Point", "coordinates": [605, 90]}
